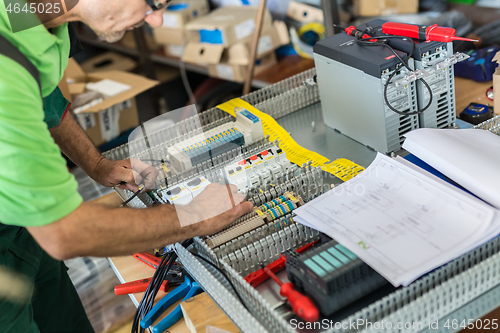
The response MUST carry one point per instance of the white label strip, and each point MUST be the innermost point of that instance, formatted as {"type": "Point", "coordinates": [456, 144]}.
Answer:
{"type": "Point", "coordinates": [265, 44]}
{"type": "Point", "coordinates": [170, 21]}
{"type": "Point", "coordinates": [244, 29]}
{"type": "Point", "coordinates": [225, 72]}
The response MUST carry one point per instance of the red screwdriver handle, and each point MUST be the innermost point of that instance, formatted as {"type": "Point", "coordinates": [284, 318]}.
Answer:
{"type": "Point", "coordinates": [301, 304]}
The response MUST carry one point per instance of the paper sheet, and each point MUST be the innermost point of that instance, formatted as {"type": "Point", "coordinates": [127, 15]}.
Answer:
{"type": "Point", "coordinates": [471, 157]}
{"type": "Point", "coordinates": [399, 221]}
{"type": "Point", "coordinates": [490, 233]}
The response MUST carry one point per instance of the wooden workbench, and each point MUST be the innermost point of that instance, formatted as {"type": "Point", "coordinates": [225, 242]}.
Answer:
{"type": "Point", "coordinates": [468, 91]}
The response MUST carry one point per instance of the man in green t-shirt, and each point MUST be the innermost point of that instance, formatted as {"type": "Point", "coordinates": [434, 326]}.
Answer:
{"type": "Point", "coordinates": [43, 219]}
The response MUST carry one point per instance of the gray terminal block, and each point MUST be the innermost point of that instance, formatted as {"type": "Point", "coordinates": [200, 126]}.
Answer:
{"type": "Point", "coordinates": [351, 82]}
{"type": "Point", "coordinates": [441, 113]}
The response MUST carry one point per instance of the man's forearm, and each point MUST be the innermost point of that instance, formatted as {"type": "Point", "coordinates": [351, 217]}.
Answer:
{"type": "Point", "coordinates": [97, 230]}
{"type": "Point", "coordinates": [75, 144]}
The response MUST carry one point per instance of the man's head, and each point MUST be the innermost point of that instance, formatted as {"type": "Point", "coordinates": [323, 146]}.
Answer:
{"type": "Point", "coordinates": [112, 18]}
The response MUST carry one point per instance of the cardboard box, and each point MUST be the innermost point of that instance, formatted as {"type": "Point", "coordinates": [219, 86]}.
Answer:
{"type": "Point", "coordinates": [277, 8]}
{"type": "Point", "coordinates": [168, 36]}
{"type": "Point", "coordinates": [304, 13]}
{"type": "Point", "coordinates": [203, 54]}
{"type": "Point", "coordinates": [384, 7]}
{"type": "Point", "coordinates": [238, 54]}
{"type": "Point", "coordinates": [225, 26]}
{"type": "Point", "coordinates": [175, 51]}
{"type": "Point", "coordinates": [106, 120]}
{"type": "Point", "coordinates": [109, 61]}
{"type": "Point", "coordinates": [175, 18]}
{"type": "Point", "coordinates": [270, 39]}
{"type": "Point", "coordinates": [179, 13]}
{"type": "Point", "coordinates": [238, 73]}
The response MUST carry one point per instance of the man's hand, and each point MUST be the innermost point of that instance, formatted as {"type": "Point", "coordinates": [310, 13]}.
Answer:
{"type": "Point", "coordinates": [213, 210]}
{"type": "Point", "coordinates": [75, 144]}
{"type": "Point", "coordinates": [132, 172]}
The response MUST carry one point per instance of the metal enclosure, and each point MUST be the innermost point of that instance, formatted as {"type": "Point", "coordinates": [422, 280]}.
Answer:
{"type": "Point", "coordinates": [351, 80]}
{"type": "Point", "coordinates": [353, 103]}
{"type": "Point", "coordinates": [441, 113]}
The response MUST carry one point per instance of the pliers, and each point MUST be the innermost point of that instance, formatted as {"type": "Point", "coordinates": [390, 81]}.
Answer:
{"type": "Point", "coordinates": [188, 289]}
{"type": "Point", "coordinates": [174, 278]}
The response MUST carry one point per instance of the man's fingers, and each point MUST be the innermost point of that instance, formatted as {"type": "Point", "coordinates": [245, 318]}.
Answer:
{"type": "Point", "coordinates": [148, 173]}
{"type": "Point", "coordinates": [136, 178]}
{"type": "Point", "coordinates": [243, 208]}
{"type": "Point", "coordinates": [233, 188]}
{"type": "Point", "coordinates": [134, 188]}
{"type": "Point", "coordinates": [149, 176]}
{"type": "Point", "coordinates": [238, 198]}
{"type": "Point", "coordinates": [139, 165]}
{"type": "Point", "coordinates": [127, 164]}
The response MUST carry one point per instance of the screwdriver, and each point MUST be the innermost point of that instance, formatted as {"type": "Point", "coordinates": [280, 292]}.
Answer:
{"type": "Point", "coordinates": [302, 305]}
{"type": "Point", "coordinates": [433, 33]}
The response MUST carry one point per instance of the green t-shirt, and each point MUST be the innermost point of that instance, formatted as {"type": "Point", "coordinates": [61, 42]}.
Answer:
{"type": "Point", "coordinates": [36, 187]}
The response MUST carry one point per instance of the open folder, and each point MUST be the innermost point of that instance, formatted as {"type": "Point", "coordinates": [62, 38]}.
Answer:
{"type": "Point", "coordinates": [403, 221]}
{"type": "Point", "coordinates": [470, 157]}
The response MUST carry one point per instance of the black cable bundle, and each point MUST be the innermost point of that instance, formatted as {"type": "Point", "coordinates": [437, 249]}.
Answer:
{"type": "Point", "coordinates": [367, 42]}
{"type": "Point", "coordinates": [147, 301]}
{"type": "Point", "coordinates": [161, 272]}
{"type": "Point", "coordinates": [225, 277]}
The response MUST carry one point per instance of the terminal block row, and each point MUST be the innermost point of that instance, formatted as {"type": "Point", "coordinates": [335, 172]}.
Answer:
{"type": "Point", "coordinates": [262, 215]}
{"type": "Point", "coordinates": [214, 146]}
